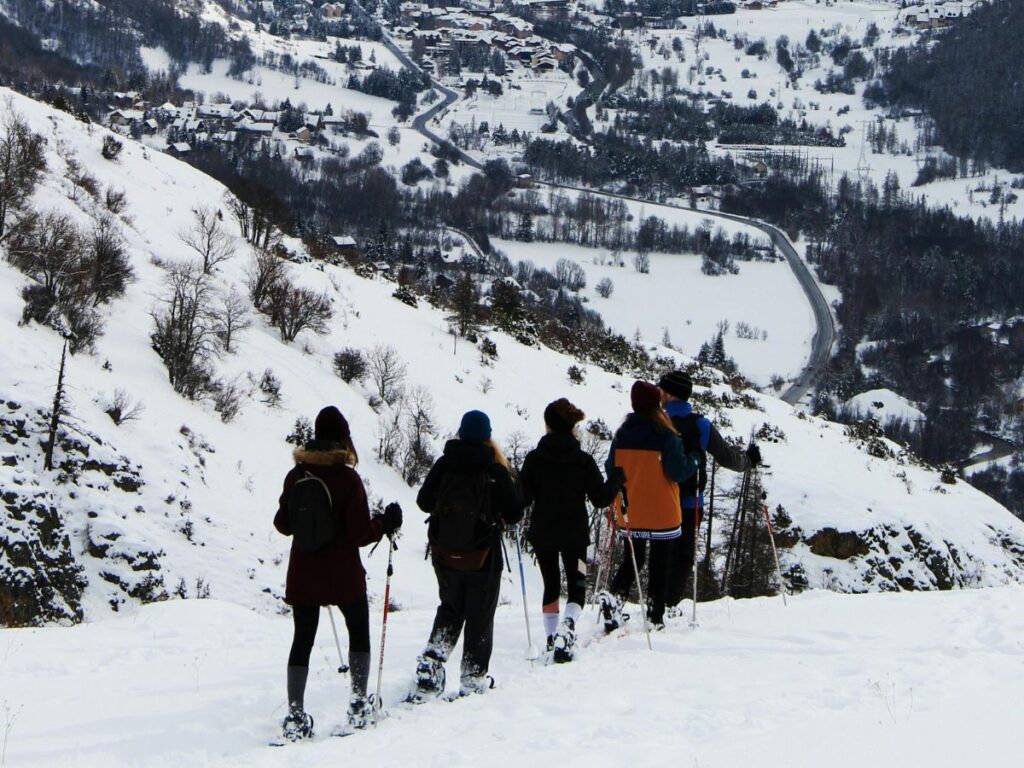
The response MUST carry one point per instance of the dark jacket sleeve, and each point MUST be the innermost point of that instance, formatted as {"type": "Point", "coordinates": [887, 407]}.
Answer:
{"type": "Point", "coordinates": [507, 494]}
{"type": "Point", "coordinates": [360, 528]}
{"type": "Point", "coordinates": [679, 466]}
{"type": "Point", "coordinates": [281, 521]}
{"type": "Point", "coordinates": [610, 461]}
{"type": "Point", "coordinates": [426, 499]}
{"type": "Point", "coordinates": [601, 492]}
{"type": "Point", "coordinates": [725, 454]}
{"type": "Point", "coordinates": [528, 479]}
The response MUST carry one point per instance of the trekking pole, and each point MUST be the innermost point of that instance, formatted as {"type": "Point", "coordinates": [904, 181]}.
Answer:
{"type": "Point", "coordinates": [392, 546]}
{"type": "Point", "coordinates": [601, 545]}
{"type": "Point", "coordinates": [342, 666]}
{"type": "Point", "coordinates": [636, 570]}
{"type": "Point", "coordinates": [696, 538]}
{"type": "Point", "coordinates": [732, 535]}
{"type": "Point", "coordinates": [711, 508]}
{"type": "Point", "coordinates": [531, 651]}
{"type": "Point", "coordinates": [775, 554]}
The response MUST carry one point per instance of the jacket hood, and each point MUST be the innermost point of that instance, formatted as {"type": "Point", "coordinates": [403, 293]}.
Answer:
{"type": "Point", "coordinates": [678, 409]}
{"type": "Point", "coordinates": [559, 447]}
{"type": "Point", "coordinates": [468, 456]}
{"type": "Point", "coordinates": [329, 455]}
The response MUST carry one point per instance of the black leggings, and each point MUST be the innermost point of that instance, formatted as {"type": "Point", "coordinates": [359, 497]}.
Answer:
{"type": "Point", "coordinates": [575, 578]}
{"type": "Point", "coordinates": [657, 573]}
{"type": "Point", "coordinates": [307, 617]}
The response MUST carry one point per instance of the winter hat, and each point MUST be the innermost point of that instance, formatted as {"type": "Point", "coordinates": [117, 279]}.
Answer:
{"type": "Point", "coordinates": [678, 384]}
{"type": "Point", "coordinates": [331, 426]}
{"type": "Point", "coordinates": [644, 397]}
{"type": "Point", "coordinates": [562, 416]}
{"type": "Point", "coordinates": [475, 427]}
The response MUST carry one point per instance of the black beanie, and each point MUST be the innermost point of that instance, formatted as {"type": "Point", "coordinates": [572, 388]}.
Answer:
{"type": "Point", "coordinates": [678, 384]}
{"type": "Point", "coordinates": [331, 426]}
{"type": "Point", "coordinates": [562, 416]}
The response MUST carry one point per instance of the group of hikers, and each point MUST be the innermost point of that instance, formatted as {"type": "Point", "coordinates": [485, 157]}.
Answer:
{"type": "Point", "coordinates": [471, 495]}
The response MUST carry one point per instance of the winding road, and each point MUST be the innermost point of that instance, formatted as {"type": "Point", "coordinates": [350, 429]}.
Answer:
{"type": "Point", "coordinates": [824, 336]}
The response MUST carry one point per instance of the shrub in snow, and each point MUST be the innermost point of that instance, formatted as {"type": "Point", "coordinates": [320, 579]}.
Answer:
{"type": "Point", "coordinates": [605, 287]}
{"type": "Point", "coordinates": [111, 147]}
{"type": "Point", "coordinates": [350, 365]}
{"type": "Point", "coordinates": [302, 432]}
{"type": "Point", "coordinates": [270, 386]}
{"type": "Point", "coordinates": [576, 374]}
{"type": "Point", "coordinates": [228, 398]}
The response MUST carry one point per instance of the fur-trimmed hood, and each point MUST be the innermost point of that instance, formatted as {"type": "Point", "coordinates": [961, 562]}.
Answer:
{"type": "Point", "coordinates": [324, 457]}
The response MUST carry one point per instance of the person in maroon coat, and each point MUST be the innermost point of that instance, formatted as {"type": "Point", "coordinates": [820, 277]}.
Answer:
{"type": "Point", "coordinates": [333, 574]}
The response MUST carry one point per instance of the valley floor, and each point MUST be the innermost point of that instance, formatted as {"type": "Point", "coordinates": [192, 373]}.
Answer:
{"type": "Point", "coordinates": [839, 680]}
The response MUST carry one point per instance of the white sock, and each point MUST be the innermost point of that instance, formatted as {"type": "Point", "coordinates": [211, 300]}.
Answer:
{"type": "Point", "coordinates": [550, 623]}
{"type": "Point", "coordinates": [573, 611]}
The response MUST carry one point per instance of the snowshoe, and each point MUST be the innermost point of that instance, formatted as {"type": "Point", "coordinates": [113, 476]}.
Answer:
{"type": "Point", "coordinates": [297, 726]}
{"type": "Point", "coordinates": [611, 611]}
{"type": "Point", "coordinates": [360, 712]}
{"type": "Point", "coordinates": [430, 680]}
{"type": "Point", "coordinates": [565, 642]}
{"type": "Point", "coordinates": [673, 612]}
{"type": "Point", "coordinates": [471, 684]}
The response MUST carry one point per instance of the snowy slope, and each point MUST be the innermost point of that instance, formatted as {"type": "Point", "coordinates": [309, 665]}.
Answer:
{"type": "Point", "coordinates": [839, 680]}
{"type": "Point", "coordinates": [193, 515]}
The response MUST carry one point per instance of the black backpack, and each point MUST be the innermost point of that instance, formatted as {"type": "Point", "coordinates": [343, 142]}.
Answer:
{"type": "Point", "coordinates": [463, 520]}
{"type": "Point", "coordinates": [311, 513]}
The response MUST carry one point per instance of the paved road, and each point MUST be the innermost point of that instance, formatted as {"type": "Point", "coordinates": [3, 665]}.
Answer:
{"type": "Point", "coordinates": [824, 336]}
{"type": "Point", "coordinates": [1000, 450]}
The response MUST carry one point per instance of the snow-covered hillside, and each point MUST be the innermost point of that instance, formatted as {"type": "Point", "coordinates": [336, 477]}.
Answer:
{"type": "Point", "coordinates": [839, 680]}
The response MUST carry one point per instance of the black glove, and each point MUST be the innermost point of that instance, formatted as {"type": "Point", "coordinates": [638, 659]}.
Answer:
{"type": "Point", "coordinates": [753, 456]}
{"type": "Point", "coordinates": [617, 476]}
{"type": "Point", "coordinates": [392, 518]}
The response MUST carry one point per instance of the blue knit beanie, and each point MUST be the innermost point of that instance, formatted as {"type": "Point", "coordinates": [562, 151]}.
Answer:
{"type": "Point", "coordinates": [475, 427]}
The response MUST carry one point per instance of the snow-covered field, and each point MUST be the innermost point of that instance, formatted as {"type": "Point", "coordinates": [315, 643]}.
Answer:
{"type": "Point", "coordinates": [839, 680]}
{"type": "Point", "coordinates": [675, 296]}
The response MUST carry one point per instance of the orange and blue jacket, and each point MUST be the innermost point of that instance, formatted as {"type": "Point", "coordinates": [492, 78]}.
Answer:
{"type": "Point", "coordinates": [655, 464]}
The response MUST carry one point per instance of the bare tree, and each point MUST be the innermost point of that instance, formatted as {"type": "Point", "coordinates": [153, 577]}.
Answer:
{"type": "Point", "coordinates": [293, 309]}
{"type": "Point", "coordinates": [232, 318]}
{"type": "Point", "coordinates": [642, 262]}
{"type": "Point", "coordinates": [387, 372]}
{"type": "Point", "coordinates": [420, 428]}
{"type": "Point", "coordinates": [22, 162]}
{"type": "Point", "coordinates": [208, 238]}
{"type": "Point", "coordinates": [108, 261]}
{"type": "Point", "coordinates": [605, 286]}
{"type": "Point", "coordinates": [465, 302]}
{"type": "Point", "coordinates": [255, 222]}
{"type": "Point", "coordinates": [185, 330]}
{"type": "Point", "coordinates": [570, 275]}
{"type": "Point", "coordinates": [265, 271]}
{"type": "Point", "coordinates": [390, 438]}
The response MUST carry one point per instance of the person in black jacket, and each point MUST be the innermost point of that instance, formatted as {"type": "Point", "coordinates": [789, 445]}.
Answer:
{"type": "Point", "coordinates": [699, 437]}
{"type": "Point", "coordinates": [470, 494]}
{"type": "Point", "coordinates": [558, 477]}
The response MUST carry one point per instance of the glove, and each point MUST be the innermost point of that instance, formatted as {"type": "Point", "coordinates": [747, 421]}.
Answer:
{"type": "Point", "coordinates": [617, 476]}
{"type": "Point", "coordinates": [753, 455]}
{"type": "Point", "coordinates": [392, 518]}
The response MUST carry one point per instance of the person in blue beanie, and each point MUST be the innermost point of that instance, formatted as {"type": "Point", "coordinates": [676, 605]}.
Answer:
{"type": "Point", "coordinates": [470, 494]}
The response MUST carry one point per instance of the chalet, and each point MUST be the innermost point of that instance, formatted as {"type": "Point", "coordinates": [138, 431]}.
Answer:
{"type": "Point", "coordinates": [216, 112]}
{"type": "Point", "coordinates": [303, 134]}
{"type": "Point", "coordinates": [333, 10]}
{"type": "Point", "coordinates": [150, 126]}
{"type": "Point", "coordinates": [760, 169]}
{"type": "Point", "coordinates": [250, 126]}
{"type": "Point", "coordinates": [629, 20]}
{"type": "Point", "coordinates": [549, 10]}
{"type": "Point", "coordinates": [261, 116]}
{"type": "Point", "coordinates": [562, 51]}
{"type": "Point", "coordinates": [524, 180]}
{"type": "Point", "coordinates": [543, 63]}
{"type": "Point", "coordinates": [178, 149]}
{"type": "Point", "coordinates": [126, 117]}
{"type": "Point", "coordinates": [304, 154]}
{"type": "Point", "coordinates": [345, 245]}
{"type": "Point", "coordinates": [313, 121]}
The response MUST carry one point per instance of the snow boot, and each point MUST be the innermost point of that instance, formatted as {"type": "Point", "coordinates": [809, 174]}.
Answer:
{"type": "Point", "coordinates": [297, 726]}
{"type": "Point", "coordinates": [551, 643]}
{"type": "Point", "coordinates": [673, 612]}
{"type": "Point", "coordinates": [430, 678]}
{"type": "Point", "coordinates": [470, 684]}
{"type": "Point", "coordinates": [565, 642]}
{"type": "Point", "coordinates": [360, 712]}
{"type": "Point", "coordinates": [611, 611]}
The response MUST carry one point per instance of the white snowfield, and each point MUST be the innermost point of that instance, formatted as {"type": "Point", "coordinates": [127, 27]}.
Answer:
{"type": "Point", "coordinates": [201, 682]}
{"type": "Point", "coordinates": [838, 680]}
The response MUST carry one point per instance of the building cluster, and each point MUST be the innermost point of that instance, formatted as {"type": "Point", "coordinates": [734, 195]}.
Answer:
{"type": "Point", "coordinates": [192, 125]}
{"type": "Point", "coordinates": [299, 16]}
{"type": "Point", "coordinates": [937, 15]}
{"type": "Point", "coordinates": [437, 31]}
